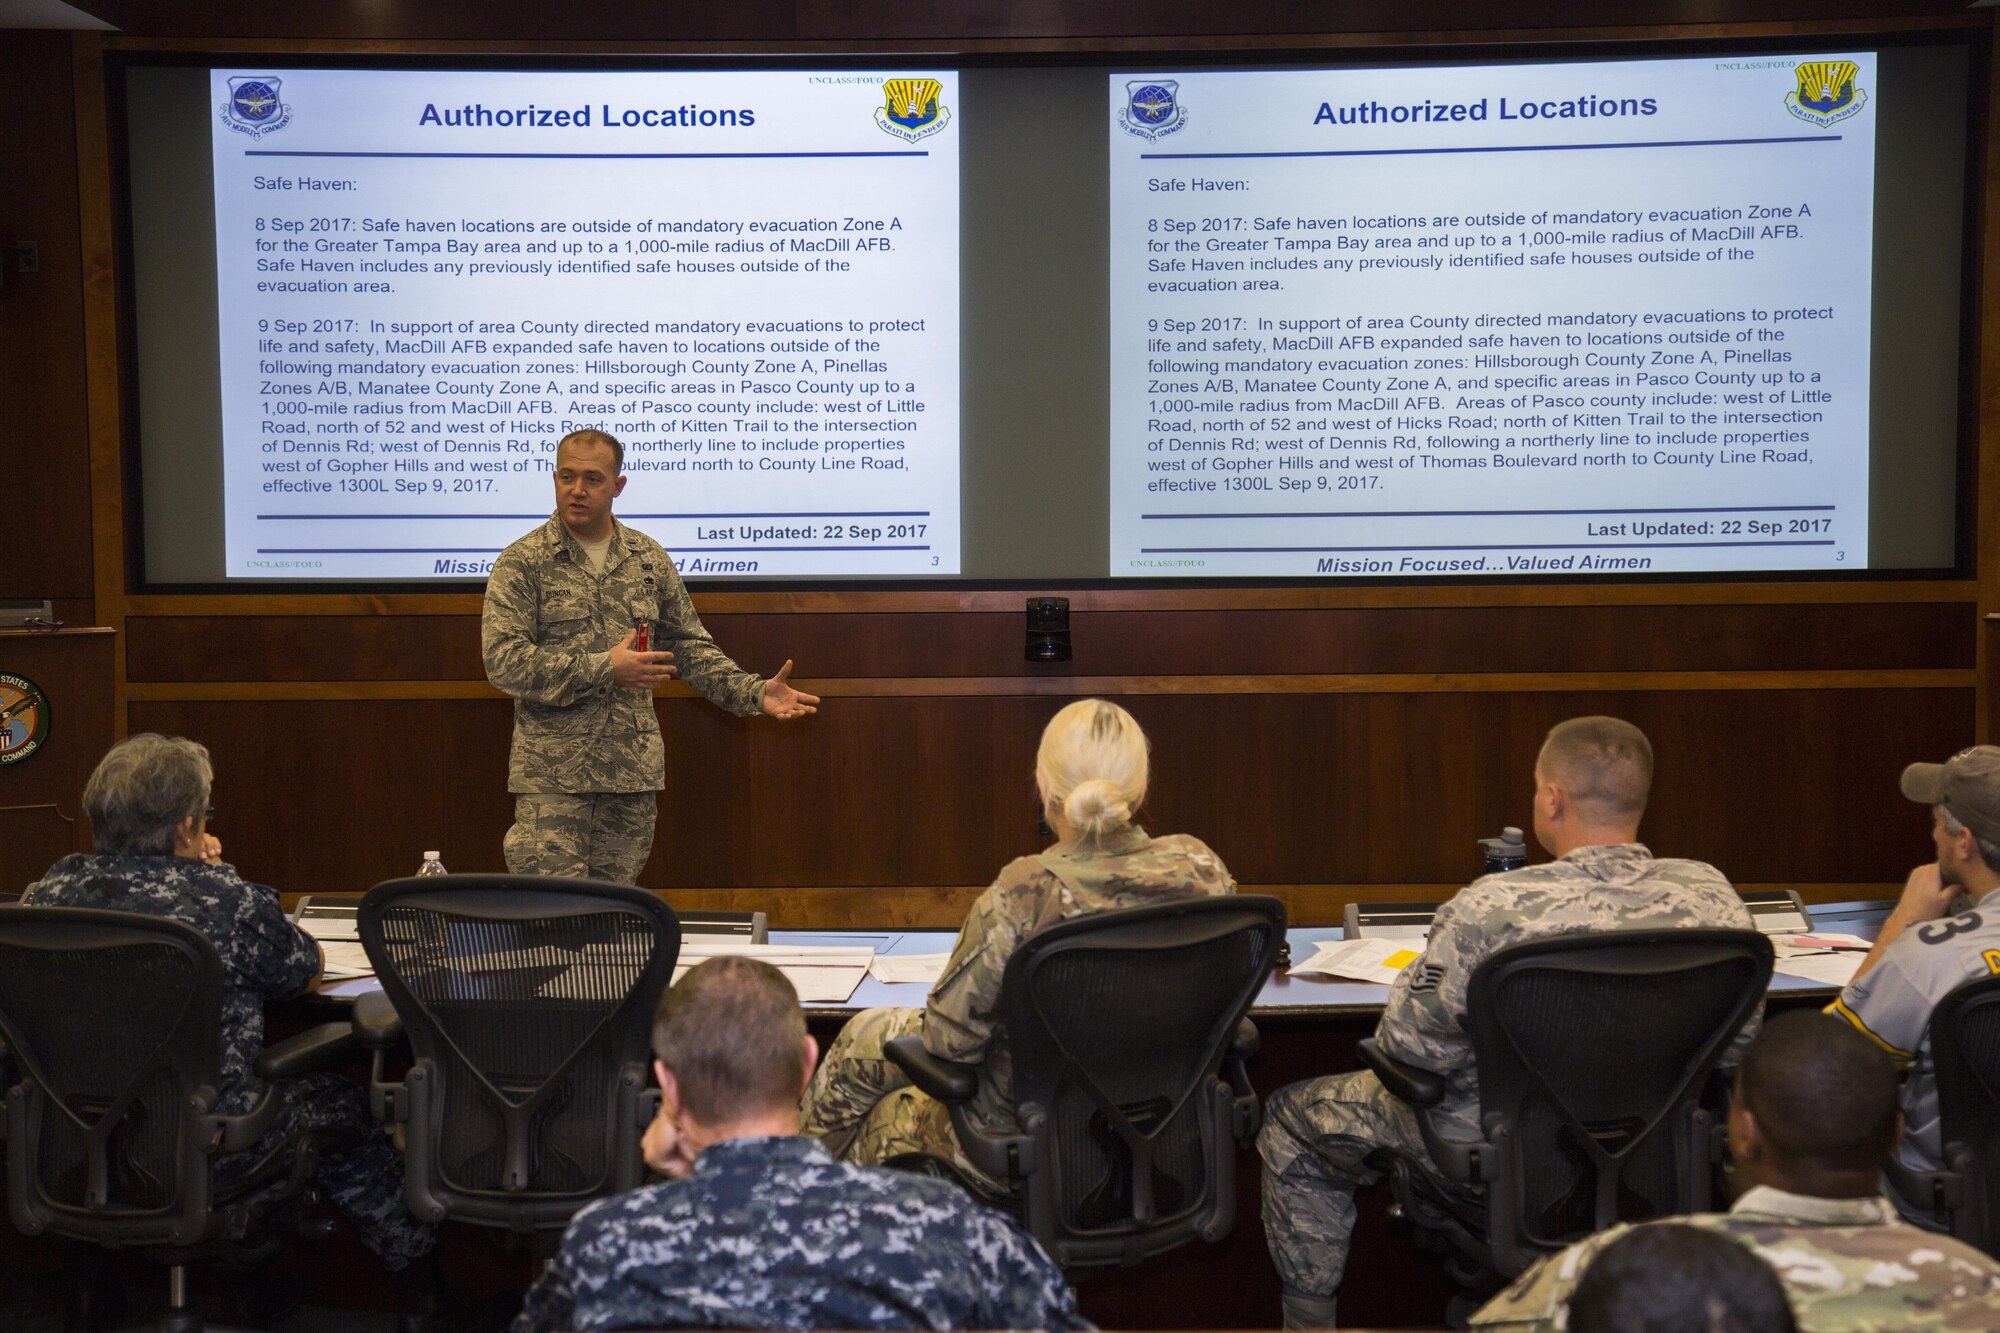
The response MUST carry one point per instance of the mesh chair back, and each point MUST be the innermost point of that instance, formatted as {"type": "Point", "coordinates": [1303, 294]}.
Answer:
{"type": "Point", "coordinates": [1117, 1023]}
{"type": "Point", "coordinates": [114, 1023]}
{"type": "Point", "coordinates": [1965, 1048]}
{"type": "Point", "coordinates": [527, 1003]}
{"type": "Point", "coordinates": [1593, 1052]}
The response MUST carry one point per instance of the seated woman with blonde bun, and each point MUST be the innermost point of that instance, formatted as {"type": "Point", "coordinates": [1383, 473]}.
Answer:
{"type": "Point", "coordinates": [1091, 773]}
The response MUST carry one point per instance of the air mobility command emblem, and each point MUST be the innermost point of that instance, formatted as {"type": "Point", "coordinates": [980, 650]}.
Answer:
{"type": "Point", "coordinates": [254, 107]}
{"type": "Point", "coordinates": [912, 111]}
{"type": "Point", "coordinates": [1152, 108]}
{"type": "Point", "coordinates": [24, 718]}
{"type": "Point", "coordinates": [1826, 94]}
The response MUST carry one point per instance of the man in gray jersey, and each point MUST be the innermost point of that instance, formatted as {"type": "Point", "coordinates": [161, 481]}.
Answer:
{"type": "Point", "coordinates": [1324, 1138]}
{"type": "Point", "coordinates": [1944, 932]}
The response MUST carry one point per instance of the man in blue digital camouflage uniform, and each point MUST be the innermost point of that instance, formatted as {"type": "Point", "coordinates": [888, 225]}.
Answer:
{"type": "Point", "coordinates": [148, 808]}
{"type": "Point", "coordinates": [758, 1227]}
{"type": "Point", "coordinates": [1943, 933]}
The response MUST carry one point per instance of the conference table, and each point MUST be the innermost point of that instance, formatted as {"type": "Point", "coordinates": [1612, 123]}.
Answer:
{"type": "Point", "coordinates": [1309, 1026]}
{"type": "Point", "coordinates": [1283, 995]}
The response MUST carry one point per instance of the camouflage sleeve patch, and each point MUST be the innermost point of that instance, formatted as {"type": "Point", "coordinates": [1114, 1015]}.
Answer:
{"type": "Point", "coordinates": [517, 662]}
{"type": "Point", "coordinates": [705, 667]}
{"type": "Point", "coordinates": [958, 1017]}
{"type": "Point", "coordinates": [279, 959]}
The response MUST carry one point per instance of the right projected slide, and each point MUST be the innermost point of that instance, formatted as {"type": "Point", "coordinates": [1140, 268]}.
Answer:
{"type": "Point", "coordinates": [1607, 317]}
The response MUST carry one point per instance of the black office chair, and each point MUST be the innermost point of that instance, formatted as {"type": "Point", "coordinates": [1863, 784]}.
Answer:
{"type": "Point", "coordinates": [528, 1003]}
{"type": "Point", "coordinates": [1120, 1025]}
{"type": "Point", "coordinates": [1594, 1054]}
{"type": "Point", "coordinates": [113, 1023]}
{"type": "Point", "coordinates": [1965, 1054]}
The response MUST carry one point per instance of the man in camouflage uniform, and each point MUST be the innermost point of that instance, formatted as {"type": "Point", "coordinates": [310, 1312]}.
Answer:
{"type": "Point", "coordinates": [148, 808]}
{"type": "Point", "coordinates": [1324, 1138]}
{"type": "Point", "coordinates": [1814, 1115]}
{"type": "Point", "coordinates": [563, 606]}
{"type": "Point", "coordinates": [1944, 933]}
{"type": "Point", "coordinates": [863, 1106]}
{"type": "Point", "coordinates": [757, 1227]}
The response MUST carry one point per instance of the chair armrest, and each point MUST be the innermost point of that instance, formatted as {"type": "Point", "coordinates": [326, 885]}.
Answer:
{"type": "Point", "coordinates": [1418, 1087]}
{"type": "Point", "coordinates": [1941, 1193]}
{"type": "Point", "coordinates": [946, 1080]}
{"type": "Point", "coordinates": [309, 1052]}
{"type": "Point", "coordinates": [376, 1024]}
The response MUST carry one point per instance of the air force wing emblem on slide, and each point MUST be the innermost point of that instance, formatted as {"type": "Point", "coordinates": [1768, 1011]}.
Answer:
{"type": "Point", "coordinates": [254, 107]}
{"type": "Point", "coordinates": [24, 718]}
{"type": "Point", "coordinates": [912, 111]}
{"type": "Point", "coordinates": [1152, 108]}
{"type": "Point", "coordinates": [1826, 93]}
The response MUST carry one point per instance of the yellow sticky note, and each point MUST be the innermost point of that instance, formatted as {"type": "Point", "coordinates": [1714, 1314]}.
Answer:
{"type": "Point", "coordinates": [1401, 959]}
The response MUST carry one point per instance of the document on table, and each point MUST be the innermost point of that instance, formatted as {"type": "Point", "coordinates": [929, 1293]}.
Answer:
{"type": "Point", "coordinates": [1831, 969]}
{"type": "Point", "coordinates": [1365, 959]}
{"type": "Point", "coordinates": [908, 967]}
{"type": "Point", "coordinates": [821, 974]}
{"type": "Point", "coordinates": [345, 960]}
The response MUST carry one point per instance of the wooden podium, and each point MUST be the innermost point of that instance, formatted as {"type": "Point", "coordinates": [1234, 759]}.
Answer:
{"type": "Point", "coordinates": [41, 815]}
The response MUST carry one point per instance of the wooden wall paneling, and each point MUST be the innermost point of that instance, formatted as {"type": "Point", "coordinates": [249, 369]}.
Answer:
{"type": "Point", "coordinates": [1096, 24]}
{"type": "Point", "coordinates": [933, 795]}
{"type": "Point", "coordinates": [45, 536]}
{"type": "Point", "coordinates": [929, 644]}
{"type": "Point", "coordinates": [1986, 315]}
{"type": "Point", "coordinates": [43, 792]}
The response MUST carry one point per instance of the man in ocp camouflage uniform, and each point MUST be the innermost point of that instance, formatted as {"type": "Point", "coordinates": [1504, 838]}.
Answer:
{"type": "Point", "coordinates": [1325, 1138]}
{"type": "Point", "coordinates": [563, 606]}
{"type": "Point", "coordinates": [757, 1227]}
{"type": "Point", "coordinates": [1813, 1119]}
{"type": "Point", "coordinates": [1944, 933]}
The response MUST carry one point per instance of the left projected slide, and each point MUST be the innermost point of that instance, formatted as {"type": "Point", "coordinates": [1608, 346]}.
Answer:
{"type": "Point", "coordinates": [427, 278]}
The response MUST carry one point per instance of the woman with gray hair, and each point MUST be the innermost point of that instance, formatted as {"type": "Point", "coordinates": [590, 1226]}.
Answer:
{"type": "Point", "coordinates": [148, 804]}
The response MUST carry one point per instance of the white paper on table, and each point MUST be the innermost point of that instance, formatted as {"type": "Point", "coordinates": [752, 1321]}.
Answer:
{"type": "Point", "coordinates": [340, 927]}
{"type": "Point", "coordinates": [1365, 959]}
{"type": "Point", "coordinates": [909, 967]}
{"type": "Point", "coordinates": [777, 955]}
{"type": "Point", "coordinates": [345, 959]}
{"type": "Point", "coordinates": [1830, 969]}
{"type": "Point", "coordinates": [816, 984]}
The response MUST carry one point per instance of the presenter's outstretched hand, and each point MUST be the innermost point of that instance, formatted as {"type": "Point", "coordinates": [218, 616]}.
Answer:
{"type": "Point", "coordinates": [639, 671]}
{"type": "Point", "coordinates": [781, 700]}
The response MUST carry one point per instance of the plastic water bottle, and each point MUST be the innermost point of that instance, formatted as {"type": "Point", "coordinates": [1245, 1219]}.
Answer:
{"type": "Point", "coordinates": [1509, 851]}
{"type": "Point", "coordinates": [431, 866]}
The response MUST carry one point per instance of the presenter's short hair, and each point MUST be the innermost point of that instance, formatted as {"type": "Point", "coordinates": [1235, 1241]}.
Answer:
{"type": "Point", "coordinates": [1605, 764]}
{"type": "Point", "coordinates": [733, 1034]}
{"type": "Point", "coordinates": [144, 788]}
{"type": "Point", "coordinates": [588, 436]}
{"type": "Point", "coordinates": [1821, 1091]}
{"type": "Point", "coordinates": [1669, 1278]}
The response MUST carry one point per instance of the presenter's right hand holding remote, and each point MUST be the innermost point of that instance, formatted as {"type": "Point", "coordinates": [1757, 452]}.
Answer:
{"type": "Point", "coordinates": [639, 671]}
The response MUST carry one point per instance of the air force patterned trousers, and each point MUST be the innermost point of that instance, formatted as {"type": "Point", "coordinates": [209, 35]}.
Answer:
{"type": "Point", "coordinates": [602, 835]}
{"type": "Point", "coordinates": [1322, 1140]}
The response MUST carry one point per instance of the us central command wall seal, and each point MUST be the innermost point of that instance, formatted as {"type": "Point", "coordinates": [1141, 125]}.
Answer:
{"type": "Point", "coordinates": [24, 718]}
{"type": "Point", "coordinates": [1152, 108]}
{"type": "Point", "coordinates": [255, 107]}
